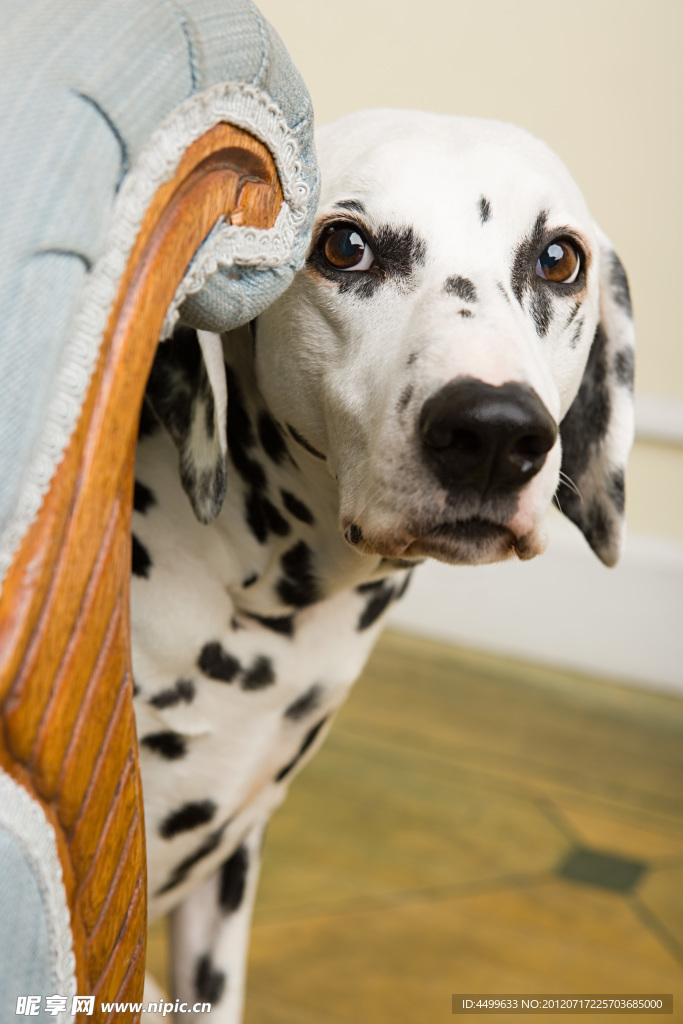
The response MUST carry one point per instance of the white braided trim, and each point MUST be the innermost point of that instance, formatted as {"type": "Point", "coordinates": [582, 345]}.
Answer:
{"type": "Point", "coordinates": [244, 106]}
{"type": "Point", "coordinates": [229, 245]}
{"type": "Point", "coordinates": [25, 821]}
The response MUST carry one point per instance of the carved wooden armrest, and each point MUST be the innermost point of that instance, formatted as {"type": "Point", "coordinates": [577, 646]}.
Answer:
{"type": "Point", "coordinates": [68, 731]}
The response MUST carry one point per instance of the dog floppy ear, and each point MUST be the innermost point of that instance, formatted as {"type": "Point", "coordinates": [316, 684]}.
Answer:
{"type": "Point", "coordinates": [187, 390]}
{"type": "Point", "coordinates": [597, 432]}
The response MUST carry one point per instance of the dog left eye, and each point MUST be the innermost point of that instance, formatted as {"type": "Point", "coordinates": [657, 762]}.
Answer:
{"type": "Point", "coordinates": [344, 248]}
{"type": "Point", "coordinates": [559, 262]}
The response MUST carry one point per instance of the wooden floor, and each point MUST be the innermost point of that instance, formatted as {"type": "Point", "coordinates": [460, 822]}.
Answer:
{"type": "Point", "coordinates": [472, 825]}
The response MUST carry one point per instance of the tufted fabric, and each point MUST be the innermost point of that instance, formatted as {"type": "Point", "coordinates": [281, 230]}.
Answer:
{"type": "Point", "coordinates": [90, 94]}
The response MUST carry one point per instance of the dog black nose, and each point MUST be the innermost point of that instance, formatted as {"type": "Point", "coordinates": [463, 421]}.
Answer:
{"type": "Point", "coordinates": [483, 437]}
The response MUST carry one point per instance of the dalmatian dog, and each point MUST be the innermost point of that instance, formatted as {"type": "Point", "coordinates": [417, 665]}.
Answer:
{"type": "Point", "coordinates": [456, 353]}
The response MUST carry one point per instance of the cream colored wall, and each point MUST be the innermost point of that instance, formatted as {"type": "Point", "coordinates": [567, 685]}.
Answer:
{"type": "Point", "coordinates": [601, 81]}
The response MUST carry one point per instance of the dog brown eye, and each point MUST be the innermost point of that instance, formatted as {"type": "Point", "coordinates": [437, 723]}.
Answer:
{"type": "Point", "coordinates": [559, 262]}
{"type": "Point", "coordinates": [344, 248]}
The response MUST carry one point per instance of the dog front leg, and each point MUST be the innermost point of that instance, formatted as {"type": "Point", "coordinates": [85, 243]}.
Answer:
{"type": "Point", "coordinates": [210, 936]}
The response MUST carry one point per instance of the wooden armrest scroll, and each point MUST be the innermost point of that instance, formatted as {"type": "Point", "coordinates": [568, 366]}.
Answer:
{"type": "Point", "coordinates": [67, 727]}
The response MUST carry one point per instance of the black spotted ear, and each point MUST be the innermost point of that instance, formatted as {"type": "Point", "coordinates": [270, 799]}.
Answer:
{"type": "Point", "coordinates": [188, 392]}
{"type": "Point", "coordinates": [597, 432]}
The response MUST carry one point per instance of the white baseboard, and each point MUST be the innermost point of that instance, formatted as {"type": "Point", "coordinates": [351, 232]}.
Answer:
{"type": "Point", "coordinates": [563, 608]}
{"type": "Point", "coordinates": [659, 420]}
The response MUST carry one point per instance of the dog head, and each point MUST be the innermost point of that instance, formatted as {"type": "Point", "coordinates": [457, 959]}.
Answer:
{"type": "Point", "coordinates": [459, 345]}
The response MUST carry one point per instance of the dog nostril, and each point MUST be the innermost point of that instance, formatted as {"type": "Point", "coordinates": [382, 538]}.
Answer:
{"type": "Point", "coordinates": [533, 444]}
{"type": "Point", "coordinates": [438, 435]}
{"type": "Point", "coordinates": [353, 534]}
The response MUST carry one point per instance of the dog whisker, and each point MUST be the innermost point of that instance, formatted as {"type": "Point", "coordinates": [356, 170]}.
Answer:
{"type": "Point", "coordinates": [570, 484]}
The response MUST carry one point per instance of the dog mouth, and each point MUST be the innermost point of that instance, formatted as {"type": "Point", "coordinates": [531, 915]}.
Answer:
{"type": "Point", "coordinates": [474, 539]}
{"type": "Point", "coordinates": [475, 528]}
{"type": "Point", "coordinates": [468, 541]}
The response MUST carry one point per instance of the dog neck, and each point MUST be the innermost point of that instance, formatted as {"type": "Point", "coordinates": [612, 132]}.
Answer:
{"type": "Point", "coordinates": [281, 512]}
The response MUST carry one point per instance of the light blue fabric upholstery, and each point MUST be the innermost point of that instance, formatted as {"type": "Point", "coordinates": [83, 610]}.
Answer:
{"type": "Point", "coordinates": [36, 949]}
{"type": "Point", "coordinates": [24, 942]}
{"type": "Point", "coordinates": [83, 85]}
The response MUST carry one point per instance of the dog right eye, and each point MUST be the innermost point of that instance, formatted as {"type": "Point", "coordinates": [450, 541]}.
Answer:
{"type": "Point", "coordinates": [344, 248]}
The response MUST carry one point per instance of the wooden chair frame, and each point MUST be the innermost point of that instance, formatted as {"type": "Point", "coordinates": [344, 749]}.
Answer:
{"type": "Point", "coordinates": [67, 729]}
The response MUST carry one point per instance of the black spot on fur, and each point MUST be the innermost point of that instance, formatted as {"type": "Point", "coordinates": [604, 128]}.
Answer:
{"type": "Point", "coordinates": [282, 624]}
{"type": "Point", "coordinates": [576, 336]}
{"type": "Point", "coordinates": [141, 561]}
{"type": "Point", "coordinates": [351, 204]}
{"type": "Point", "coordinates": [397, 251]}
{"type": "Point", "coordinates": [308, 740]}
{"type": "Point", "coordinates": [179, 391]}
{"type": "Point", "coordinates": [596, 525]}
{"type": "Point", "coordinates": [168, 744]}
{"type": "Point", "coordinates": [525, 256]}
{"type": "Point", "coordinates": [462, 287]}
{"type": "Point", "coordinates": [541, 311]}
{"type": "Point", "coordinates": [272, 441]}
{"type": "Point", "coordinates": [216, 663]}
{"type": "Point", "coordinates": [575, 310]}
{"type": "Point", "coordinates": [406, 395]}
{"type": "Point", "coordinates": [183, 869]}
{"type": "Point", "coordinates": [209, 981]}
{"type": "Point", "coordinates": [484, 210]}
{"type": "Point", "coordinates": [304, 443]}
{"type": "Point", "coordinates": [241, 436]}
{"type": "Point", "coordinates": [411, 358]}
{"type": "Point", "coordinates": [582, 431]}
{"type": "Point", "coordinates": [297, 507]}
{"type": "Point", "coordinates": [377, 604]}
{"type": "Point", "coordinates": [264, 518]}
{"type": "Point", "coordinates": [587, 421]}
{"type": "Point", "coordinates": [619, 282]}
{"type": "Point", "coordinates": [465, 313]}
{"type": "Point", "coordinates": [209, 409]}
{"type": "Point", "coordinates": [255, 516]}
{"type": "Point", "coordinates": [259, 675]}
{"type": "Point", "coordinates": [616, 488]}
{"type": "Point", "coordinates": [250, 580]}
{"type": "Point", "coordinates": [233, 880]}
{"type": "Point", "coordinates": [624, 366]}
{"type": "Point", "coordinates": [187, 817]}
{"type": "Point", "coordinates": [298, 585]}
{"type": "Point", "coordinates": [136, 689]}
{"type": "Point", "coordinates": [277, 523]}
{"type": "Point", "coordinates": [182, 690]}
{"type": "Point", "coordinates": [370, 588]}
{"type": "Point", "coordinates": [143, 497]}
{"type": "Point", "coordinates": [303, 706]}
{"type": "Point", "coordinates": [174, 379]}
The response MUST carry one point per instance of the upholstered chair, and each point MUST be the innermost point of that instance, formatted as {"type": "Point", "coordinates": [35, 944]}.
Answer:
{"type": "Point", "coordinates": [157, 162]}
